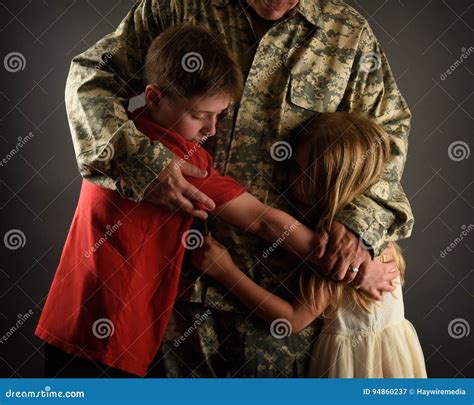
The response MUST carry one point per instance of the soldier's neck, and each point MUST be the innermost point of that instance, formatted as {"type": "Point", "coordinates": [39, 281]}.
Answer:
{"type": "Point", "coordinates": [260, 26]}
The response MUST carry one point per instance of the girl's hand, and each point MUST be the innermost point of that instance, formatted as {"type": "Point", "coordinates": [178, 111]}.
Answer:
{"type": "Point", "coordinates": [212, 258]}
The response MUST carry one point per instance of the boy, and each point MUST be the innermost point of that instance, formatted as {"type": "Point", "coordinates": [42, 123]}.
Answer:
{"type": "Point", "coordinates": [117, 279]}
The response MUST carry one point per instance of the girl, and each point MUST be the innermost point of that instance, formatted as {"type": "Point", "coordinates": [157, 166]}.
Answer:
{"type": "Point", "coordinates": [339, 157]}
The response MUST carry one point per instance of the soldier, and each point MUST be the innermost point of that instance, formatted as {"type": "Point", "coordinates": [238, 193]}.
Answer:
{"type": "Point", "coordinates": [299, 58]}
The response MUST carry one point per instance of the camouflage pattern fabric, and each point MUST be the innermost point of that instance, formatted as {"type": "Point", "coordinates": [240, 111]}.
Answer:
{"type": "Point", "coordinates": [322, 57]}
{"type": "Point", "coordinates": [204, 343]}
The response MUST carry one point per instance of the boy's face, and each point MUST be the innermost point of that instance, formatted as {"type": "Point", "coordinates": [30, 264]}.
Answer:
{"type": "Point", "coordinates": [193, 119]}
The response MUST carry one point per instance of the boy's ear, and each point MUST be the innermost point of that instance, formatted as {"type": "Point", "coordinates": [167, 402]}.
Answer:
{"type": "Point", "coordinates": [152, 95]}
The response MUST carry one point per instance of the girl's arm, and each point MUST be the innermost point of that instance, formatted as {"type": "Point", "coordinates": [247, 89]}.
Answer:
{"type": "Point", "coordinates": [214, 260]}
{"type": "Point", "coordinates": [248, 213]}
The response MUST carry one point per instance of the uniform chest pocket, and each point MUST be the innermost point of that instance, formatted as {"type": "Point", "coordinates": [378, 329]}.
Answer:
{"type": "Point", "coordinates": [317, 91]}
{"type": "Point", "coordinates": [320, 87]}
{"type": "Point", "coordinates": [310, 93]}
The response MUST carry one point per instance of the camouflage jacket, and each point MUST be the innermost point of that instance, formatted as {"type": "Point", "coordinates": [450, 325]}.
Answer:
{"type": "Point", "coordinates": [321, 57]}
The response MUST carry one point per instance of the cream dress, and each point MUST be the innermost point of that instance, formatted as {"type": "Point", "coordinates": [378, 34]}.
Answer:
{"type": "Point", "coordinates": [356, 344]}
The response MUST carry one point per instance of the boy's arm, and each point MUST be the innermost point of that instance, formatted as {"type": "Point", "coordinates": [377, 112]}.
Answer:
{"type": "Point", "coordinates": [214, 260]}
{"type": "Point", "coordinates": [248, 213]}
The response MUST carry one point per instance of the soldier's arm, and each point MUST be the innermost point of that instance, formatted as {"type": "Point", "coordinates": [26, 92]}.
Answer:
{"type": "Point", "coordinates": [110, 151]}
{"type": "Point", "coordinates": [383, 213]}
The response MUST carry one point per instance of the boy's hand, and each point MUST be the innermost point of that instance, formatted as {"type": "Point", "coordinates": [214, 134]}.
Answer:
{"type": "Point", "coordinates": [174, 192]}
{"type": "Point", "coordinates": [212, 258]}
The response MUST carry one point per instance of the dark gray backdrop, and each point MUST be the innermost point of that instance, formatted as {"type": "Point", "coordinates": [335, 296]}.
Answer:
{"type": "Point", "coordinates": [39, 184]}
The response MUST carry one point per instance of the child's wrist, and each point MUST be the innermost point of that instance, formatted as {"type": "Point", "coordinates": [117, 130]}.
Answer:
{"type": "Point", "coordinates": [226, 272]}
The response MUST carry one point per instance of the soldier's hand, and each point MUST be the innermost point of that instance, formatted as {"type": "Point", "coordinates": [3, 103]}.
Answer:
{"type": "Point", "coordinates": [339, 250]}
{"type": "Point", "coordinates": [174, 192]}
{"type": "Point", "coordinates": [375, 278]}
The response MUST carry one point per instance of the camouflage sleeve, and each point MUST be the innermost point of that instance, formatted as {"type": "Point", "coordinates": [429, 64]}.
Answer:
{"type": "Point", "coordinates": [110, 151]}
{"type": "Point", "coordinates": [383, 213]}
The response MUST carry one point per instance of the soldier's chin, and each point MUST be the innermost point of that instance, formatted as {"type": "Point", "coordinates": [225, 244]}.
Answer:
{"type": "Point", "coordinates": [271, 10]}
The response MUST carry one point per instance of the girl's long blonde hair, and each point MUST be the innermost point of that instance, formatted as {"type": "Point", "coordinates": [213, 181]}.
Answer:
{"type": "Point", "coordinates": [347, 154]}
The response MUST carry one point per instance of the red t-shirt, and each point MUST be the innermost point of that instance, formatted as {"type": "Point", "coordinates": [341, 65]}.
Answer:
{"type": "Point", "coordinates": [117, 279]}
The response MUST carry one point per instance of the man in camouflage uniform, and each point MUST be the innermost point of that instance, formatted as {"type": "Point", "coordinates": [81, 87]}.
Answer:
{"type": "Point", "coordinates": [314, 56]}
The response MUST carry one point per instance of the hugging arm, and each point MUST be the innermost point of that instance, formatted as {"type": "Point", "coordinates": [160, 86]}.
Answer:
{"type": "Point", "coordinates": [382, 213]}
{"type": "Point", "coordinates": [110, 151]}
{"type": "Point", "coordinates": [248, 213]}
{"type": "Point", "coordinates": [214, 260]}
